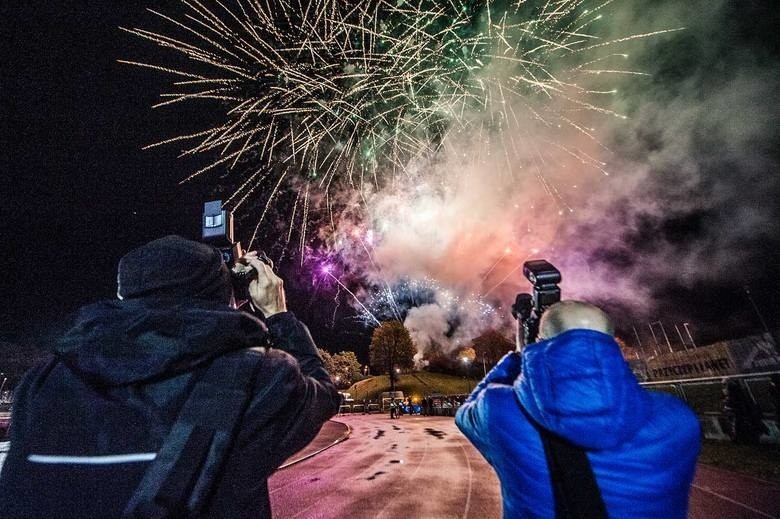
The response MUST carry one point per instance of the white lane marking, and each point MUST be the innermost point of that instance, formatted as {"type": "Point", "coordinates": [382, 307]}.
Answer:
{"type": "Point", "coordinates": [92, 460]}
{"type": "Point", "coordinates": [699, 468]}
{"type": "Point", "coordinates": [743, 505]}
{"type": "Point", "coordinates": [468, 464]}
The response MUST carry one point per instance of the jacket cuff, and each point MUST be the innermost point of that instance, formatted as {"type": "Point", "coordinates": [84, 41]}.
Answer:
{"type": "Point", "coordinates": [290, 334]}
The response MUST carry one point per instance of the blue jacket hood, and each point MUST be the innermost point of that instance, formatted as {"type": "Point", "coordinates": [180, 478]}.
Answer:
{"type": "Point", "coordinates": [578, 386]}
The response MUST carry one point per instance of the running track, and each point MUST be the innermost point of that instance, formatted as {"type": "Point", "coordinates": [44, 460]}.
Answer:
{"type": "Point", "coordinates": [423, 467]}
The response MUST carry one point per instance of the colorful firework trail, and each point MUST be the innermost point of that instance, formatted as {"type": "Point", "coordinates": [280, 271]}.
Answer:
{"type": "Point", "coordinates": [324, 94]}
{"type": "Point", "coordinates": [358, 111]}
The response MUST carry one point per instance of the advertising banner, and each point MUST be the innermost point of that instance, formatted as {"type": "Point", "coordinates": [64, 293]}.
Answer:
{"type": "Point", "coordinates": [707, 361]}
{"type": "Point", "coordinates": [754, 354]}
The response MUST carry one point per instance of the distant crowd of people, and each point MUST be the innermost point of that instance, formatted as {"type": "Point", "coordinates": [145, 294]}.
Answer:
{"type": "Point", "coordinates": [431, 405]}
{"type": "Point", "coordinates": [438, 405]}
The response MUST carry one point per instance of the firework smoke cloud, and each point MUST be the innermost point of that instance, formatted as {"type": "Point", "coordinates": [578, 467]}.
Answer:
{"type": "Point", "coordinates": [432, 147]}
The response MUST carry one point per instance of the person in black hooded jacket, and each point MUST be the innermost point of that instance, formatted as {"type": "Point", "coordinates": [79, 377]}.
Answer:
{"type": "Point", "coordinates": [87, 424]}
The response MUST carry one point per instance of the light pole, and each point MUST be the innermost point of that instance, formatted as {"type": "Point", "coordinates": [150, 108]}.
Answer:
{"type": "Point", "coordinates": [465, 361]}
{"type": "Point", "coordinates": [755, 307]}
{"type": "Point", "coordinates": [669, 344]}
{"type": "Point", "coordinates": [639, 342]}
{"type": "Point", "coordinates": [688, 331]}
{"type": "Point", "coordinates": [681, 337]}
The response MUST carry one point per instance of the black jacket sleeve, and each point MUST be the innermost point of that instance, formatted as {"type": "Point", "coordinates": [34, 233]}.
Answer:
{"type": "Point", "coordinates": [292, 336]}
{"type": "Point", "coordinates": [293, 395]}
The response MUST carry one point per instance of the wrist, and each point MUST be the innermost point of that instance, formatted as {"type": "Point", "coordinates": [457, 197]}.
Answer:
{"type": "Point", "coordinates": [268, 312]}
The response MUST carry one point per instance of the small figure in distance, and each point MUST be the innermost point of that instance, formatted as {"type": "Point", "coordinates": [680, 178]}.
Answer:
{"type": "Point", "coordinates": [641, 446]}
{"type": "Point", "coordinates": [167, 402]}
{"type": "Point", "coordinates": [741, 416]}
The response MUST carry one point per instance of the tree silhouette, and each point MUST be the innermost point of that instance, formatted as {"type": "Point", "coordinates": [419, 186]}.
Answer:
{"type": "Point", "coordinates": [342, 366]}
{"type": "Point", "coordinates": [391, 347]}
{"type": "Point", "coordinates": [347, 367]}
{"type": "Point", "coordinates": [491, 346]}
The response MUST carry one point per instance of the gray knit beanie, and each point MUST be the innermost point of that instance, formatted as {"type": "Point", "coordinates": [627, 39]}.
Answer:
{"type": "Point", "coordinates": [174, 266]}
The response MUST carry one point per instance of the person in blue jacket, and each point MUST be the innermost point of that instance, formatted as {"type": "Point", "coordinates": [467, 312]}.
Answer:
{"type": "Point", "coordinates": [642, 445]}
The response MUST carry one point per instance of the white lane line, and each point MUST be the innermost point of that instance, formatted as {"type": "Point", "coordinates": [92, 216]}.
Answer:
{"type": "Point", "coordinates": [741, 476]}
{"type": "Point", "coordinates": [468, 464]}
{"type": "Point", "coordinates": [743, 505]}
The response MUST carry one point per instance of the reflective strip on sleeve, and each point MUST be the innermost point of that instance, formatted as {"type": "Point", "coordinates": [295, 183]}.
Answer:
{"type": "Point", "coordinates": [92, 460]}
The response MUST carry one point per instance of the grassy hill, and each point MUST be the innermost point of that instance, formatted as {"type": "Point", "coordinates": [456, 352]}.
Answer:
{"type": "Point", "coordinates": [415, 385]}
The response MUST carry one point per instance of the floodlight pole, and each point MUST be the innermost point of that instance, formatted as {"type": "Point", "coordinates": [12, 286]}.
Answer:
{"type": "Point", "coordinates": [669, 344]}
{"type": "Point", "coordinates": [755, 307]}
{"type": "Point", "coordinates": [688, 331]}
{"type": "Point", "coordinates": [681, 337]}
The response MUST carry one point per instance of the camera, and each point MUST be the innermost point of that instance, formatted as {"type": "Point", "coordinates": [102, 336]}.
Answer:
{"type": "Point", "coordinates": [217, 231]}
{"type": "Point", "coordinates": [528, 308]}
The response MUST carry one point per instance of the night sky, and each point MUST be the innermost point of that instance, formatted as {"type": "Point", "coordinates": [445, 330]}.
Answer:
{"type": "Point", "coordinates": [79, 192]}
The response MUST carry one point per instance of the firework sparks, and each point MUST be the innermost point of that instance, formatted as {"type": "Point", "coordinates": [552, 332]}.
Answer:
{"type": "Point", "coordinates": [336, 106]}
{"type": "Point", "coordinates": [325, 93]}
{"type": "Point", "coordinates": [327, 270]}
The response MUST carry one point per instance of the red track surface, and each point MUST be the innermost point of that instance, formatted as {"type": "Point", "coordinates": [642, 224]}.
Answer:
{"type": "Point", "coordinates": [423, 467]}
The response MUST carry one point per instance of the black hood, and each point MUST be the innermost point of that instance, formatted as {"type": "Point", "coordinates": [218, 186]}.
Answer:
{"type": "Point", "coordinates": [120, 342]}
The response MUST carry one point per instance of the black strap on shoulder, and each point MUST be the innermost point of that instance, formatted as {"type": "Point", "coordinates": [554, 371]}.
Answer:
{"type": "Point", "coordinates": [178, 482]}
{"type": "Point", "coordinates": [575, 490]}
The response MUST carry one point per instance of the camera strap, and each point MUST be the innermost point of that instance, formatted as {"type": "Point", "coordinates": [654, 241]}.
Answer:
{"type": "Point", "coordinates": [190, 460]}
{"type": "Point", "coordinates": [575, 490]}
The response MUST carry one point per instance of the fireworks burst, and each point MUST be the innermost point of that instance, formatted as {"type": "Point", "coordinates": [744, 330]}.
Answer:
{"type": "Point", "coordinates": [341, 109]}
{"type": "Point", "coordinates": [324, 93]}
{"type": "Point", "coordinates": [396, 301]}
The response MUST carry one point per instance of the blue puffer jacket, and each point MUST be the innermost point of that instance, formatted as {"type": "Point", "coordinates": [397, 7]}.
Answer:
{"type": "Point", "coordinates": [642, 445]}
